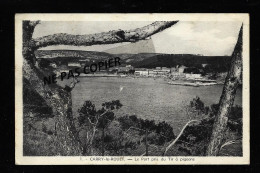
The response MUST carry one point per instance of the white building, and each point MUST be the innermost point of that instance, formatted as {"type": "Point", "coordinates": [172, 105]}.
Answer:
{"type": "Point", "coordinates": [141, 72]}
{"type": "Point", "coordinates": [181, 69]}
{"type": "Point", "coordinates": [193, 76]}
{"type": "Point", "coordinates": [178, 75]}
{"type": "Point", "coordinates": [74, 64]}
{"type": "Point", "coordinates": [162, 71]}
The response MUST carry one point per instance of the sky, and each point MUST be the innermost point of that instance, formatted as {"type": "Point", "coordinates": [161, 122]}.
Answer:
{"type": "Point", "coordinates": [214, 38]}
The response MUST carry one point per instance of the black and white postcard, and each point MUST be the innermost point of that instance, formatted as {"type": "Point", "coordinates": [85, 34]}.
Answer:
{"type": "Point", "coordinates": [124, 89]}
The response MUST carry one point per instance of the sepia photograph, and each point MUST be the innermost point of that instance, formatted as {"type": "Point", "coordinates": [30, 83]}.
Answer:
{"type": "Point", "coordinates": [132, 89]}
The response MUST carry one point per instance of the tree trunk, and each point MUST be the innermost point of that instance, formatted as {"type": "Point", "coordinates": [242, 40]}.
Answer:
{"type": "Point", "coordinates": [146, 143]}
{"type": "Point", "coordinates": [227, 98]}
{"type": "Point", "coordinates": [103, 138]}
{"type": "Point", "coordinates": [56, 98]}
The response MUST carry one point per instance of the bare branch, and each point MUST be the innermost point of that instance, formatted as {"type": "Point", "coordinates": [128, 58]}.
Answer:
{"type": "Point", "coordinates": [229, 143]}
{"type": "Point", "coordinates": [103, 114]}
{"type": "Point", "coordinates": [175, 140]}
{"type": "Point", "coordinates": [111, 37]}
{"type": "Point", "coordinates": [90, 121]}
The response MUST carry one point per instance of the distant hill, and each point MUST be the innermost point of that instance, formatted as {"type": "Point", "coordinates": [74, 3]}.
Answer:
{"type": "Point", "coordinates": [139, 57]}
{"type": "Point", "coordinates": [71, 54]}
{"type": "Point", "coordinates": [171, 60]}
{"type": "Point", "coordinates": [145, 60]}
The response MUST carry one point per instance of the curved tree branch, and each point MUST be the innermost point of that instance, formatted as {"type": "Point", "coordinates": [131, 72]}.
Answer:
{"type": "Point", "coordinates": [229, 143]}
{"type": "Point", "coordinates": [111, 37]}
{"type": "Point", "coordinates": [175, 140]}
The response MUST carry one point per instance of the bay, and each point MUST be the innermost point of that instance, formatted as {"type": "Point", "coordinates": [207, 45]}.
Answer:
{"type": "Point", "coordinates": [147, 98]}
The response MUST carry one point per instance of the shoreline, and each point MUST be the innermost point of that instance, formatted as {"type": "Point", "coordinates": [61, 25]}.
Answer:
{"type": "Point", "coordinates": [202, 82]}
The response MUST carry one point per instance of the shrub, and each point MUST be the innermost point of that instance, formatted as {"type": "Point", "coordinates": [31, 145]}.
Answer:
{"type": "Point", "coordinates": [198, 136]}
{"type": "Point", "coordinates": [161, 131]}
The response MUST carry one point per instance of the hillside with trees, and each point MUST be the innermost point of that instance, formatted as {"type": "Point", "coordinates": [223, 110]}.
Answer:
{"type": "Point", "coordinates": [140, 60]}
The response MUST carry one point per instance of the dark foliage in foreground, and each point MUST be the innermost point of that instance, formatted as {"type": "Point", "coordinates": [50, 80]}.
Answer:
{"type": "Point", "coordinates": [34, 102]}
{"type": "Point", "coordinates": [127, 133]}
{"type": "Point", "coordinates": [162, 129]}
{"type": "Point", "coordinates": [197, 136]}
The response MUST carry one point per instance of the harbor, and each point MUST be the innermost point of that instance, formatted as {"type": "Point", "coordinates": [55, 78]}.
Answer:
{"type": "Point", "coordinates": [194, 84]}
